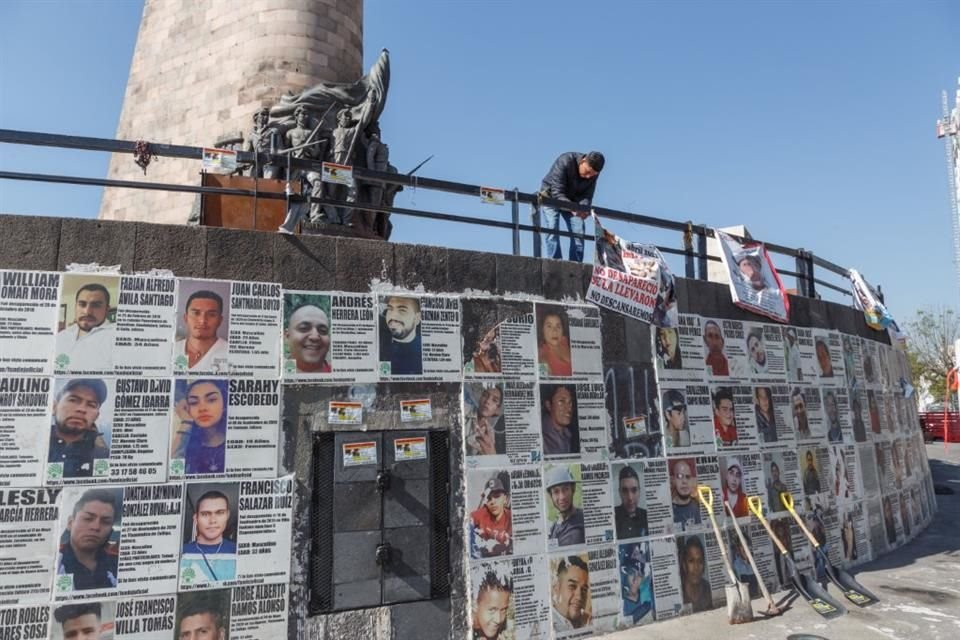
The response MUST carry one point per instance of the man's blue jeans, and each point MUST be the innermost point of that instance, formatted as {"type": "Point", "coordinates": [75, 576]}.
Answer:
{"type": "Point", "coordinates": [551, 222]}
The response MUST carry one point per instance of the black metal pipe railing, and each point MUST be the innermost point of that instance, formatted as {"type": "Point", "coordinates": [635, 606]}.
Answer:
{"type": "Point", "coordinates": [693, 243]}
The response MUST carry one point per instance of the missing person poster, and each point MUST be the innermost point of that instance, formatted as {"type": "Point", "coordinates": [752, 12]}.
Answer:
{"type": "Point", "coordinates": [741, 476]}
{"type": "Point", "coordinates": [852, 361]}
{"type": "Point", "coordinates": [754, 282]}
{"type": "Point", "coordinates": [489, 498]}
{"type": "Point", "coordinates": [108, 430]}
{"type": "Point", "coordinates": [641, 497]}
{"type": "Point", "coordinates": [667, 594]}
{"type": "Point", "coordinates": [679, 349]}
{"type": "Point", "coordinates": [509, 598]}
{"type": "Point", "coordinates": [28, 519]}
{"type": "Point", "coordinates": [808, 417]}
{"type": "Point", "coordinates": [241, 613]}
{"type": "Point", "coordinates": [573, 420]}
{"type": "Point", "coordinates": [765, 353]}
{"type": "Point", "coordinates": [498, 339]}
{"type": "Point", "coordinates": [689, 514]}
{"type": "Point", "coordinates": [224, 428]}
{"type": "Point", "coordinates": [236, 533]}
{"type": "Point", "coordinates": [854, 533]}
{"type": "Point", "coordinates": [24, 407]}
{"type": "Point", "coordinates": [636, 584]}
{"type": "Point", "coordinates": [781, 475]}
{"type": "Point", "coordinates": [773, 411]}
{"type": "Point", "coordinates": [419, 337]}
{"type": "Point", "coordinates": [687, 418]}
{"type": "Point", "coordinates": [815, 471]}
{"type": "Point", "coordinates": [329, 336]}
{"type": "Point", "coordinates": [500, 424]}
{"type": "Point", "coordinates": [605, 588]}
{"type": "Point", "coordinates": [29, 320]}
{"type": "Point", "coordinates": [810, 367]}
{"type": "Point", "coordinates": [702, 575]}
{"type": "Point", "coordinates": [830, 361]}
{"type": "Point", "coordinates": [117, 541]}
{"type": "Point", "coordinates": [568, 342]}
{"type": "Point", "coordinates": [227, 327]}
{"type": "Point", "coordinates": [632, 279]}
{"type": "Point", "coordinates": [734, 419]}
{"type": "Point", "coordinates": [571, 597]}
{"type": "Point", "coordinates": [578, 506]}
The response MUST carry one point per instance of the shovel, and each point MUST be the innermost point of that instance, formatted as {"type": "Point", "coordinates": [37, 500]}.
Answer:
{"type": "Point", "coordinates": [850, 588]}
{"type": "Point", "coordinates": [772, 608]}
{"type": "Point", "coordinates": [739, 609]}
{"type": "Point", "coordinates": [808, 589]}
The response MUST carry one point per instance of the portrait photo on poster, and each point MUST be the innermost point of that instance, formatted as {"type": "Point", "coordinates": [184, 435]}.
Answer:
{"type": "Point", "coordinates": [486, 432]}
{"type": "Point", "coordinates": [401, 339]}
{"type": "Point", "coordinates": [210, 523]}
{"type": "Point", "coordinates": [198, 434]}
{"type": "Point", "coordinates": [80, 429]}
{"type": "Point", "coordinates": [553, 341]}
{"type": "Point", "coordinates": [89, 539]}
{"type": "Point", "coordinates": [86, 330]}
{"type": "Point", "coordinates": [203, 327]}
{"type": "Point", "coordinates": [306, 333]}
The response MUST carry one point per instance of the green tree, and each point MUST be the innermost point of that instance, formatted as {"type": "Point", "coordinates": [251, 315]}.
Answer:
{"type": "Point", "coordinates": [930, 348]}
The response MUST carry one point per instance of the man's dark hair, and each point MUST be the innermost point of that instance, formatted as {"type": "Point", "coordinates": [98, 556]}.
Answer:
{"type": "Point", "coordinates": [797, 391]}
{"type": "Point", "coordinates": [492, 582]}
{"type": "Point", "coordinates": [552, 389]}
{"type": "Point", "coordinates": [571, 561]}
{"type": "Point", "coordinates": [205, 295]}
{"type": "Point", "coordinates": [755, 333]}
{"type": "Point", "coordinates": [691, 542]}
{"type": "Point", "coordinates": [107, 496]}
{"type": "Point", "coordinates": [627, 472]}
{"type": "Point", "coordinates": [71, 611]}
{"type": "Point", "coordinates": [199, 606]}
{"type": "Point", "coordinates": [94, 287]}
{"type": "Point", "coordinates": [596, 160]}
{"type": "Point", "coordinates": [415, 301]}
{"type": "Point", "coordinates": [723, 393]}
{"type": "Point", "coordinates": [212, 495]}
{"type": "Point", "coordinates": [774, 464]}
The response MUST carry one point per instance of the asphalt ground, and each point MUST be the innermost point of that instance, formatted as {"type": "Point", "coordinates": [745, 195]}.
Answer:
{"type": "Point", "coordinates": [918, 586]}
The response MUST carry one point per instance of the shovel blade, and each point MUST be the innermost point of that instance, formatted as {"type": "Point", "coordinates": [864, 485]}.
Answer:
{"type": "Point", "coordinates": [739, 607]}
{"type": "Point", "coordinates": [812, 592]}
{"type": "Point", "coordinates": [851, 589]}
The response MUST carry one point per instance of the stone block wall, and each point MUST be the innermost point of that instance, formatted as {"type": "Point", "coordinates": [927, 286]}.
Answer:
{"type": "Point", "coordinates": [202, 68]}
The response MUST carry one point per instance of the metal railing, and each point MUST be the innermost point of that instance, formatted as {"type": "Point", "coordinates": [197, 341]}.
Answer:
{"type": "Point", "coordinates": [693, 236]}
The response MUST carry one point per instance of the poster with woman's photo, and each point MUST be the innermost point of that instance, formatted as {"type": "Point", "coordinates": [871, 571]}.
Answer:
{"type": "Point", "coordinates": [236, 533]}
{"type": "Point", "coordinates": [419, 338]}
{"type": "Point", "coordinates": [724, 349]}
{"type": "Point", "coordinates": [830, 358]}
{"type": "Point", "coordinates": [224, 428]}
{"type": "Point", "coordinates": [679, 350]}
{"type": "Point", "coordinates": [573, 421]}
{"type": "Point", "coordinates": [702, 575]}
{"type": "Point", "coordinates": [687, 418]}
{"type": "Point", "coordinates": [498, 339]}
{"type": "Point", "coordinates": [509, 598]}
{"type": "Point", "coordinates": [568, 342]}
{"type": "Point", "coordinates": [765, 354]}
{"type": "Point", "coordinates": [28, 522]}
{"type": "Point", "coordinates": [31, 316]}
{"type": "Point", "coordinates": [329, 336]}
{"type": "Point", "coordinates": [227, 327]}
{"type": "Point", "coordinates": [108, 430]}
{"type": "Point", "coordinates": [94, 559]}
{"type": "Point", "coordinates": [500, 423]}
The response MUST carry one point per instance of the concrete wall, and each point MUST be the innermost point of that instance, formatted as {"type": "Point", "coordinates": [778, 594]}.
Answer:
{"type": "Point", "coordinates": [201, 68]}
{"type": "Point", "coordinates": [346, 264]}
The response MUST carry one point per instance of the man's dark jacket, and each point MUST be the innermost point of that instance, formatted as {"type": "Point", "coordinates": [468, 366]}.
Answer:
{"type": "Point", "coordinates": [563, 181]}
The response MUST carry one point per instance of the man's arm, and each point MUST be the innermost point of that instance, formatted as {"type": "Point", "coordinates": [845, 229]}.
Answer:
{"type": "Point", "coordinates": [556, 178]}
{"type": "Point", "coordinates": [587, 199]}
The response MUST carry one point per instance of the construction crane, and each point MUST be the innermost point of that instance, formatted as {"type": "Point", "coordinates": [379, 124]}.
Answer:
{"type": "Point", "coordinates": [948, 128]}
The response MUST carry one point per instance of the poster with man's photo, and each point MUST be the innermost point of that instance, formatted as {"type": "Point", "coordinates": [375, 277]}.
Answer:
{"type": "Point", "coordinates": [773, 412]}
{"type": "Point", "coordinates": [108, 430]}
{"type": "Point", "coordinates": [577, 504]}
{"type": "Point", "coordinates": [509, 598]}
{"type": "Point", "coordinates": [573, 421]}
{"type": "Point", "coordinates": [641, 499]}
{"type": "Point", "coordinates": [667, 591]}
{"type": "Point", "coordinates": [568, 342]}
{"type": "Point", "coordinates": [329, 336]}
{"type": "Point", "coordinates": [689, 514]}
{"type": "Point", "coordinates": [725, 349]}
{"type": "Point", "coordinates": [227, 327]}
{"type": "Point", "coordinates": [29, 316]}
{"type": "Point", "coordinates": [241, 613]}
{"type": "Point", "coordinates": [636, 584]}
{"type": "Point", "coordinates": [687, 413]}
{"type": "Point", "coordinates": [28, 520]}
{"type": "Point", "coordinates": [765, 353]}
{"type": "Point", "coordinates": [222, 428]}
{"type": "Point", "coordinates": [24, 418]}
{"type": "Point", "coordinates": [489, 498]}
{"type": "Point", "coordinates": [116, 541]}
{"type": "Point", "coordinates": [754, 282]}
{"type": "Point", "coordinates": [741, 475]}
{"type": "Point", "coordinates": [679, 350]}
{"type": "Point", "coordinates": [831, 371]}
{"type": "Point", "coordinates": [498, 339]}
{"type": "Point", "coordinates": [734, 418]}
{"type": "Point", "coordinates": [419, 338]}
{"type": "Point", "coordinates": [236, 533]}
{"type": "Point", "coordinates": [854, 533]}
{"type": "Point", "coordinates": [781, 475]}
{"type": "Point", "coordinates": [571, 599]}
{"type": "Point", "coordinates": [852, 360]}
{"type": "Point", "coordinates": [806, 409]}
{"type": "Point", "coordinates": [501, 423]}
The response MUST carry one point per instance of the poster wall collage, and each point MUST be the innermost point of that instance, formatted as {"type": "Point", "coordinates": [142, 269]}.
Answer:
{"type": "Point", "coordinates": [139, 421]}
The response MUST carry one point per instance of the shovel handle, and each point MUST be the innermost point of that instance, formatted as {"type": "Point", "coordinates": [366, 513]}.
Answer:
{"type": "Point", "coordinates": [749, 554]}
{"type": "Point", "coordinates": [787, 498]}
{"type": "Point", "coordinates": [756, 505]}
{"type": "Point", "coordinates": [706, 496]}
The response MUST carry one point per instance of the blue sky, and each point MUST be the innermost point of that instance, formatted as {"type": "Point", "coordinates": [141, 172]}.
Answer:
{"type": "Point", "coordinates": [810, 123]}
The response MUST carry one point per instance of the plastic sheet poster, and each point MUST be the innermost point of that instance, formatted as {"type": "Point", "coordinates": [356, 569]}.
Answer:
{"type": "Point", "coordinates": [867, 300]}
{"type": "Point", "coordinates": [754, 282]}
{"type": "Point", "coordinates": [632, 279]}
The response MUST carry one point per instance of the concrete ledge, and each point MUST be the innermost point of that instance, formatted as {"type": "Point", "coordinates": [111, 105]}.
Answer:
{"type": "Point", "coordinates": [418, 265]}
{"type": "Point", "coordinates": [562, 279]}
{"type": "Point", "coordinates": [179, 248]}
{"type": "Point", "coordinates": [361, 261]}
{"type": "Point", "coordinates": [518, 274]}
{"type": "Point", "coordinates": [305, 262]}
{"type": "Point", "coordinates": [107, 243]}
{"type": "Point", "coordinates": [470, 270]}
{"type": "Point", "coordinates": [233, 254]}
{"type": "Point", "coordinates": [29, 242]}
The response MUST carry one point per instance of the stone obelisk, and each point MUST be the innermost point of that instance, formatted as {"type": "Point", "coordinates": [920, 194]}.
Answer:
{"type": "Point", "coordinates": [200, 70]}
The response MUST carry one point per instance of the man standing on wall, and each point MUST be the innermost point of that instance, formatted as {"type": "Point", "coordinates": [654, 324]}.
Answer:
{"type": "Point", "coordinates": [573, 178]}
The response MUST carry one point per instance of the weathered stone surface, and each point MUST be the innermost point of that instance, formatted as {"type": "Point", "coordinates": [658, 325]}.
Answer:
{"type": "Point", "coordinates": [613, 333]}
{"type": "Point", "coordinates": [305, 262]}
{"type": "Point", "coordinates": [470, 270]}
{"type": "Point", "coordinates": [87, 241]}
{"type": "Point", "coordinates": [361, 263]}
{"type": "Point", "coordinates": [562, 279]}
{"type": "Point", "coordinates": [239, 255]}
{"type": "Point", "coordinates": [420, 266]}
{"type": "Point", "coordinates": [428, 620]}
{"type": "Point", "coordinates": [363, 624]}
{"type": "Point", "coordinates": [29, 242]}
{"type": "Point", "coordinates": [639, 348]}
{"type": "Point", "coordinates": [181, 249]}
{"type": "Point", "coordinates": [518, 275]}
